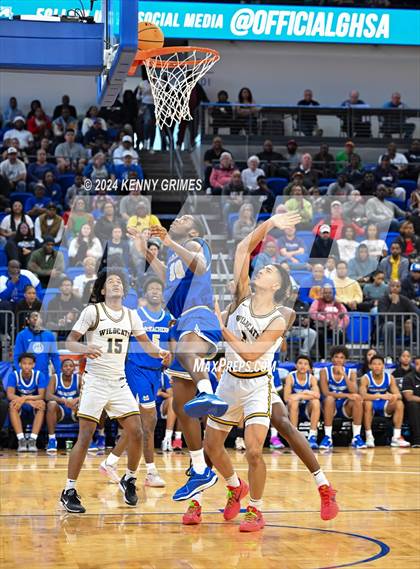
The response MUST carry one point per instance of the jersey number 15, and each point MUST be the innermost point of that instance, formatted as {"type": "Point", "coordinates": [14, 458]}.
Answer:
{"type": "Point", "coordinates": [114, 345]}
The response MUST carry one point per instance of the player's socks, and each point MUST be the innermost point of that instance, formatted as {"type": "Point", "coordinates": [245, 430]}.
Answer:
{"type": "Point", "coordinates": [233, 481]}
{"type": "Point", "coordinates": [328, 431]}
{"type": "Point", "coordinates": [356, 429]}
{"type": "Point", "coordinates": [198, 461]}
{"type": "Point", "coordinates": [130, 474]}
{"type": "Point", "coordinates": [397, 434]}
{"type": "Point", "coordinates": [150, 467]}
{"type": "Point", "coordinates": [70, 484]}
{"type": "Point", "coordinates": [320, 478]}
{"type": "Point", "coordinates": [35, 436]}
{"type": "Point", "coordinates": [257, 504]}
{"type": "Point", "coordinates": [168, 434]}
{"type": "Point", "coordinates": [274, 432]}
{"type": "Point", "coordinates": [312, 433]}
{"type": "Point", "coordinates": [20, 436]}
{"type": "Point", "coordinates": [204, 386]}
{"type": "Point", "coordinates": [51, 437]}
{"type": "Point", "coordinates": [178, 434]}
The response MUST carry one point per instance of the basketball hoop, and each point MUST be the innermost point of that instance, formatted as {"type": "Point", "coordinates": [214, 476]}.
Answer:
{"type": "Point", "coordinates": [173, 72]}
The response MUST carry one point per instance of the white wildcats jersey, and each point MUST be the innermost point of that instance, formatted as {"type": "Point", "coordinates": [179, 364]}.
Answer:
{"type": "Point", "coordinates": [111, 331]}
{"type": "Point", "coordinates": [245, 325]}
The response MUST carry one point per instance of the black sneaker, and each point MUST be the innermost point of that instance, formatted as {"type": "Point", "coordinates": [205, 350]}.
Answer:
{"type": "Point", "coordinates": [128, 488]}
{"type": "Point", "coordinates": [71, 501]}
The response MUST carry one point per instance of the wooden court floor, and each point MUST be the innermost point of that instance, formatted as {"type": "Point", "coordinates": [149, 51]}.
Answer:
{"type": "Point", "coordinates": [378, 527]}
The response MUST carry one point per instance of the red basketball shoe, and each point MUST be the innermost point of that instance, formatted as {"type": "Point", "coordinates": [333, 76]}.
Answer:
{"type": "Point", "coordinates": [192, 516]}
{"type": "Point", "coordinates": [235, 495]}
{"type": "Point", "coordinates": [253, 520]}
{"type": "Point", "coordinates": [329, 507]}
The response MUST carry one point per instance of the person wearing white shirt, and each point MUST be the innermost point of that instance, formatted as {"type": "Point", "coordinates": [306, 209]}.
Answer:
{"type": "Point", "coordinates": [91, 118]}
{"type": "Point", "coordinates": [249, 175]}
{"type": "Point", "coordinates": [126, 145]}
{"type": "Point", "coordinates": [18, 131]}
{"type": "Point", "coordinates": [85, 244]}
{"type": "Point", "coordinates": [397, 159]}
{"type": "Point", "coordinates": [80, 282]}
{"type": "Point", "coordinates": [377, 247]}
{"type": "Point", "coordinates": [347, 246]}
{"type": "Point", "coordinates": [14, 170]}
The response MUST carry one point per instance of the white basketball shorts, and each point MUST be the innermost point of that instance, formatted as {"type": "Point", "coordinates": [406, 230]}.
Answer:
{"type": "Point", "coordinates": [249, 399]}
{"type": "Point", "coordinates": [97, 395]}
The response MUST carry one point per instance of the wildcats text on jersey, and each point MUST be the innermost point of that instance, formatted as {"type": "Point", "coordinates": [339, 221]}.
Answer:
{"type": "Point", "coordinates": [115, 332]}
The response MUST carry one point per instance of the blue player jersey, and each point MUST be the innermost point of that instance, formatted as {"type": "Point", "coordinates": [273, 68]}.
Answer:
{"type": "Point", "coordinates": [70, 392]}
{"type": "Point", "coordinates": [334, 385]}
{"type": "Point", "coordinates": [27, 386]}
{"type": "Point", "coordinates": [184, 289]}
{"type": "Point", "coordinates": [156, 326]}
{"type": "Point", "coordinates": [297, 387]}
{"type": "Point", "coordinates": [382, 388]}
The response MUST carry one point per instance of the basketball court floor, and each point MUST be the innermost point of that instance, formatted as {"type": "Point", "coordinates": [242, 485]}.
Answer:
{"type": "Point", "coordinates": [378, 526]}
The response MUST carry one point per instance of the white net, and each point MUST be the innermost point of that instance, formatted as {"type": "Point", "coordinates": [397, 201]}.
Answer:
{"type": "Point", "coordinates": [172, 77]}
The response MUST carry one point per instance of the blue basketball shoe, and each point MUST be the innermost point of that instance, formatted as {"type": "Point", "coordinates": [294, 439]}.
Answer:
{"type": "Point", "coordinates": [326, 443]}
{"type": "Point", "coordinates": [312, 442]}
{"type": "Point", "coordinates": [205, 404]}
{"type": "Point", "coordinates": [52, 446]}
{"type": "Point", "coordinates": [195, 484]}
{"type": "Point", "coordinates": [358, 442]}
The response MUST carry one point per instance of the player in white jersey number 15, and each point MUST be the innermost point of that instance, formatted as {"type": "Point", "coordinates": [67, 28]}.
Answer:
{"type": "Point", "coordinates": [108, 326]}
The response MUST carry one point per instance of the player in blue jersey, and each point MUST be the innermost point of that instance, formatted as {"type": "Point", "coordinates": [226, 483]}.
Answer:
{"type": "Point", "coordinates": [143, 374]}
{"type": "Point", "coordinates": [341, 399]}
{"type": "Point", "coordinates": [189, 298]}
{"type": "Point", "coordinates": [382, 397]}
{"type": "Point", "coordinates": [62, 400]}
{"type": "Point", "coordinates": [301, 393]}
{"type": "Point", "coordinates": [26, 393]}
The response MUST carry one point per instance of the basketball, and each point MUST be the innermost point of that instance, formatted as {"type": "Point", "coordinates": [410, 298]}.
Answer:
{"type": "Point", "coordinates": [150, 36]}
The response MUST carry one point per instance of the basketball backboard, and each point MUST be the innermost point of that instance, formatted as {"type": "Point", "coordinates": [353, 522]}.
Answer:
{"type": "Point", "coordinates": [120, 19]}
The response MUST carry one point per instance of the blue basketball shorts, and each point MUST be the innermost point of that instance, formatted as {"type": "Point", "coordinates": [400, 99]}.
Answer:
{"type": "Point", "coordinates": [144, 383]}
{"type": "Point", "coordinates": [379, 408]}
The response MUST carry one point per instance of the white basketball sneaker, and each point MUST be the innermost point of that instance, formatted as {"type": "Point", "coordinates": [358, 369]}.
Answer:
{"type": "Point", "coordinates": [109, 471]}
{"type": "Point", "coordinates": [154, 480]}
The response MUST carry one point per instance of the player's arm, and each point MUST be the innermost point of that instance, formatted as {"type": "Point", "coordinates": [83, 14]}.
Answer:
{"type": "Point", "coordinates": [313, 393]}
{"type": "Point", "coordinates": [145, 342]}
{"type": "Point", "coordinates": [158, 267]}
{"type": "Point", "coordinates": [394, 390]}
{"type": "Point", "coordinates": [252, 352]}
{"type": "Point", "coordinates": [39, 397]}
{"type": "Point", "coordinates": [191, 253]}
{"type": "Point", "coordinates": [288, 394]}
{"type": "Point", "coordinates": [87, 319]}
{"type": "Point", "coordinates": [50, 395]}
{"type": "Point", "coordinates": [364, 384]}
{"type": "Point", "coordinates": [351, 382]}
{"type": "Point", "coordinates": [248, 244]}
{"type": "Point", "coordinates": [12, 396]}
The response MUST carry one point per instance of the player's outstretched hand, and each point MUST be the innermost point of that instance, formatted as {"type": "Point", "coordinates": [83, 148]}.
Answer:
{"type": "Point", "coordinates": [166, 357]}
{"type": "Point", "coordinates": [286, 220]}
{"type": "Point", "coordinates": [218, 313]}
{"type": "Point", "coordinates": [93, 351]}
{"type": "Point", "coordinates": [160, 232]}
{"type": "Point", "coordinates": [139, 241]}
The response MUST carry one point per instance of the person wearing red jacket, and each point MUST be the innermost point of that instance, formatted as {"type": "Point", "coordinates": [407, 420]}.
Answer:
{"type": "Point", "coordinates": [39, 123]}
{"type": "Point", "coordinates": [331, 319]}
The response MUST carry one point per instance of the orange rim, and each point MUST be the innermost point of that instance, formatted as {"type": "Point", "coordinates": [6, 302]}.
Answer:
{"type": "Point", "coordinates": [142, 57]}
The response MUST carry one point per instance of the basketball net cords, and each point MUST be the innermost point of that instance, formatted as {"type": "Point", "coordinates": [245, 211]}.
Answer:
{"type": "Point", "coordinates": [172, 80]}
